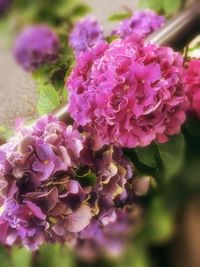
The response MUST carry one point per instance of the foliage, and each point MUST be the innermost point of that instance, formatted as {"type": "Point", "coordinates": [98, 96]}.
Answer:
{"type": "Point", "coordinates": [5, 259]}
{"type": "Point", "coordinates": [167, 7]}
{"type": "Point", "coordinates": [162, 160]}
{"type": "Point", "coordinates": [120, 16]}
{"type": "Point", "coordinates": [48, 99]}
{"type": "Point", "coordinates": [49, 255]}
{"type": "Point", "coordinates": [159, 223]}
{"type": "Point", "coordinates": [21, 257]}
{"type": "Point", "coordinates": [54, 255]}
{"type": "Point", "coordinates": [52, 12]}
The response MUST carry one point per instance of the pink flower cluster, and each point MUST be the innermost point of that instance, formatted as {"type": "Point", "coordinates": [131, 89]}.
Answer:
{"type": "Point", "coordinates": [128, 93]}
{"type": "Point", "coordinates": [192, 84]}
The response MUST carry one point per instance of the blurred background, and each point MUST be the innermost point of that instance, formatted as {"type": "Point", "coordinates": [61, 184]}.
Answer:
{"type": "Point", "coordinates": [169, 232]}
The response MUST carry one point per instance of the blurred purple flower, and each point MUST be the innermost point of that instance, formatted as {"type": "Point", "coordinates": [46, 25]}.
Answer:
{"type": "Point", "coordinates": [4, 6]}
{"type": "Point", "coordinates": [142, 23]}
{"type": "Point", "coordinates": [86, 34]}
{"type": "Point", "coordinates": [36, 46]}
{"type": "Point", "coordinates": [98, 240]}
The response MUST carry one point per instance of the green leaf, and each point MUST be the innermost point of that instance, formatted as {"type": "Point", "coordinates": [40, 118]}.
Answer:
{"type": "Point", "coordinates": [170, 7]}
{"type": "Point", "coordinates": [48, 99]}
{"type": "Point", "coordinates": [54, 255]}
{"type": "Point", "coordinates": [57, 77]}
{"type": "Point", "coordinates": [5, 134]}
{"type": "Point", "coordinates": [21, 257]}
{"type": "Point", "coordinates": [5, 259]}
{"type": "Point", "coordinates": [120, 16]}
{"type": "Point", "coordinates": [65, 95]}
{"type": "Point", "coordinates": [80, 10]}
{"type": "Point", "coordinates": [159, 222]}
{"type": "Point", "coordinates": [156, 5]}
{"type": "Point", "coordinates": [172, 155]}
{"type": "Point", "coordinates": [192, 127]}
{"type": "Point", "coordinates": [135, 256]}
{"type": "Point", "coordinates": [159, 160]}
{"type": "Point", "coordinates": [111, 38]}
{"type": "Point", "coordinates": [147, 156]}
{"type": "Point", "coordinates": [86, 177]}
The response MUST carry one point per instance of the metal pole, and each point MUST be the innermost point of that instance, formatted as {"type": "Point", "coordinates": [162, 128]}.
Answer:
{"type": "Point", "coordinates": [180, 30]}
{"type": "Point", "coordinates": [176, 33]}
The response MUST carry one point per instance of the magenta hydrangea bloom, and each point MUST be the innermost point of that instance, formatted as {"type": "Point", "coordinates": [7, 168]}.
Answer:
{"type": "Point", "coordinates": [141, 23]}
{"type": "Point", "coordinates": [36, 46]}
{"type": "Point", "coordinates": [86, 34]}
{"type": "Point", "coordinates": [128, 93]}
{"type": "Point", "coordinates": [44, 191]}
{"type": "Point", "coordinates": [192, 84]}
{"type": "Point", "coordinates": [4, 6]}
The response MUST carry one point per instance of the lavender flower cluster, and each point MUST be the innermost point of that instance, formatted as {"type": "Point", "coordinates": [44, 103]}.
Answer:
{"type": "Point", "coordinates": [45, 189]}
{"type": "Point", "coordinates": [88, 33]}
{"type": "Point", "coordinates": [85, 35]}
{"type": "Point", "coordinates": [39, 45]}
{"type": "Point", "coordinates": [141, 23]}
{"type": "Point", "coordinates": [36, 46]}
{"type": "Point", "coordinates": [4, 6]}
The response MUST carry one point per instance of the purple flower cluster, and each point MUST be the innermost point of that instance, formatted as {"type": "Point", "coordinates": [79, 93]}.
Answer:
{"type": "Point", "coordinates": [108, 231]}
{"type": "Point", "coordinates": [86, 34]}
{"type": "Point", "coordinates": [45, 194]}
{"type": "Point", "coordinates": [97, 240]}
{"type": "Point", "coordinates": [141, 23]}
{"type": "Point", "coordinates": [36, 46]}
{"type": "Point", "coordinates": [4, 6]}
{"type": "Point", "coordinates": [128, 93]}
